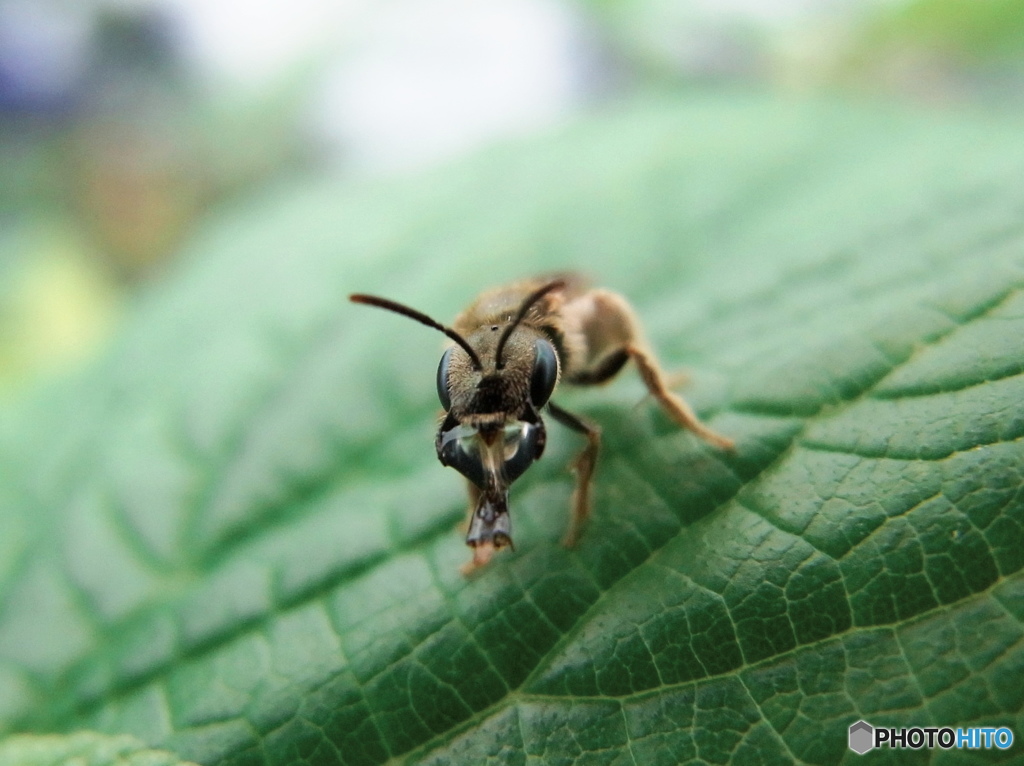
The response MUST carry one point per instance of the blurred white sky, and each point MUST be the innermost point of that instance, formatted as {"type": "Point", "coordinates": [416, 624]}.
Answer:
{"type": "Point", "coordinates": [409, 82]}
{"type": "Point", "coordinates": [414, 82]}
{"type": "Point", "coordinates": [250, 41]}
{"type": "Point", "coordinates": [406, 82]}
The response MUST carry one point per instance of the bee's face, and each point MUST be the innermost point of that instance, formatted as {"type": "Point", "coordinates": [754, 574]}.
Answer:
{"type": "Point", "coordinates": [493, 430]}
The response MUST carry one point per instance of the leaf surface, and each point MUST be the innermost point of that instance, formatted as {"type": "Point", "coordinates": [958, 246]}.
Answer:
{"type": "Point", "coordinates": [233, 540]}
{"type": "Point", "coordinates": [84, 748]}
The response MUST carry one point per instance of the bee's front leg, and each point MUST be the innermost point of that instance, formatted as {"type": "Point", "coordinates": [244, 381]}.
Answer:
{"type": "Point", "coordinates": [583, 466]}
{"type": "Point", "coordinates": [473, 493]}
{"type": "Point", "coordinates": [481, 554]}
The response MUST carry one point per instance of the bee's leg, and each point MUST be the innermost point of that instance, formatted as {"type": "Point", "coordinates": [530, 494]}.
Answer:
{"type": "Point", "coordinates": [673, 380]}
{"type": "Point", "coordinates": [481, 554]}
{"type": "Point", "coordinates": [473, 496]}
{"type": "Point", "coordinates": [676, 379]}
{"type": "Point", "coordinates": [473, 493]}
{"type": "Point", "coordinates": [583, 466]}
{"type": "Point", "coordinates": [611, 324]}
{"type": "Point", "coordinates": [674, 406]}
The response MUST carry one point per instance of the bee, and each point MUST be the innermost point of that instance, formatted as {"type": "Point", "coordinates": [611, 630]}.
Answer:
{"type": "Point", "coordinates": [511, 348]}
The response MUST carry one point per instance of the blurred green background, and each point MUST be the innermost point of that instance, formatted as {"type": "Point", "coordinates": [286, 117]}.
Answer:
{"type": "Point", "coordinates": [126, 126]}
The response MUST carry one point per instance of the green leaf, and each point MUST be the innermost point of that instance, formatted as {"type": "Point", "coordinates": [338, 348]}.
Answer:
{"type": "Point", "coordinates": [233, 540]}
{"type": "Point", "coordinates": [83, 748]}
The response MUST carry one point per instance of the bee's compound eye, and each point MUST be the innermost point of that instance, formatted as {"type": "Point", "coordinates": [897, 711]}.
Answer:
{"type": "Point", "coordinates": [442, 380]}
{"type": "Point", "coordinates": [545, 373]}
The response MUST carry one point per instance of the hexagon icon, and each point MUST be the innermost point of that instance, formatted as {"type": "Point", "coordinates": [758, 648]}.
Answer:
{"type": "Point", "coordinates": [862, 735]}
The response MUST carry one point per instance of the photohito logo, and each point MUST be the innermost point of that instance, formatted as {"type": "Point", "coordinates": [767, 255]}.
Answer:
{"type": "Point", "coordinates": [861, 737]}
{"type": "Point", "coordinates": [865, 737]}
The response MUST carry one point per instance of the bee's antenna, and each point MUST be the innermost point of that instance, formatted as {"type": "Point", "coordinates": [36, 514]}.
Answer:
{"type": "Point", "coordinates": [398, 308]}
{"type": "Point", "coordinates": [527, 304]}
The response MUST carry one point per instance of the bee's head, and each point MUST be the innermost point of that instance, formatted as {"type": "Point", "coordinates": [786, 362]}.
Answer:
{"type": "Point", "coordinates": [492, 387]}
{"type": "Point", "coordinates": [492, 430]}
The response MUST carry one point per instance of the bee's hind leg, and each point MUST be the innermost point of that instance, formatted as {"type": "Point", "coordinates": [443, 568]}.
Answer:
{"type": "Point", "coordinates": [583, 466]}
{"type": "Point", "coordinates": [674, 406]}
{"type": "Point", "coordinates": [614, 337]}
